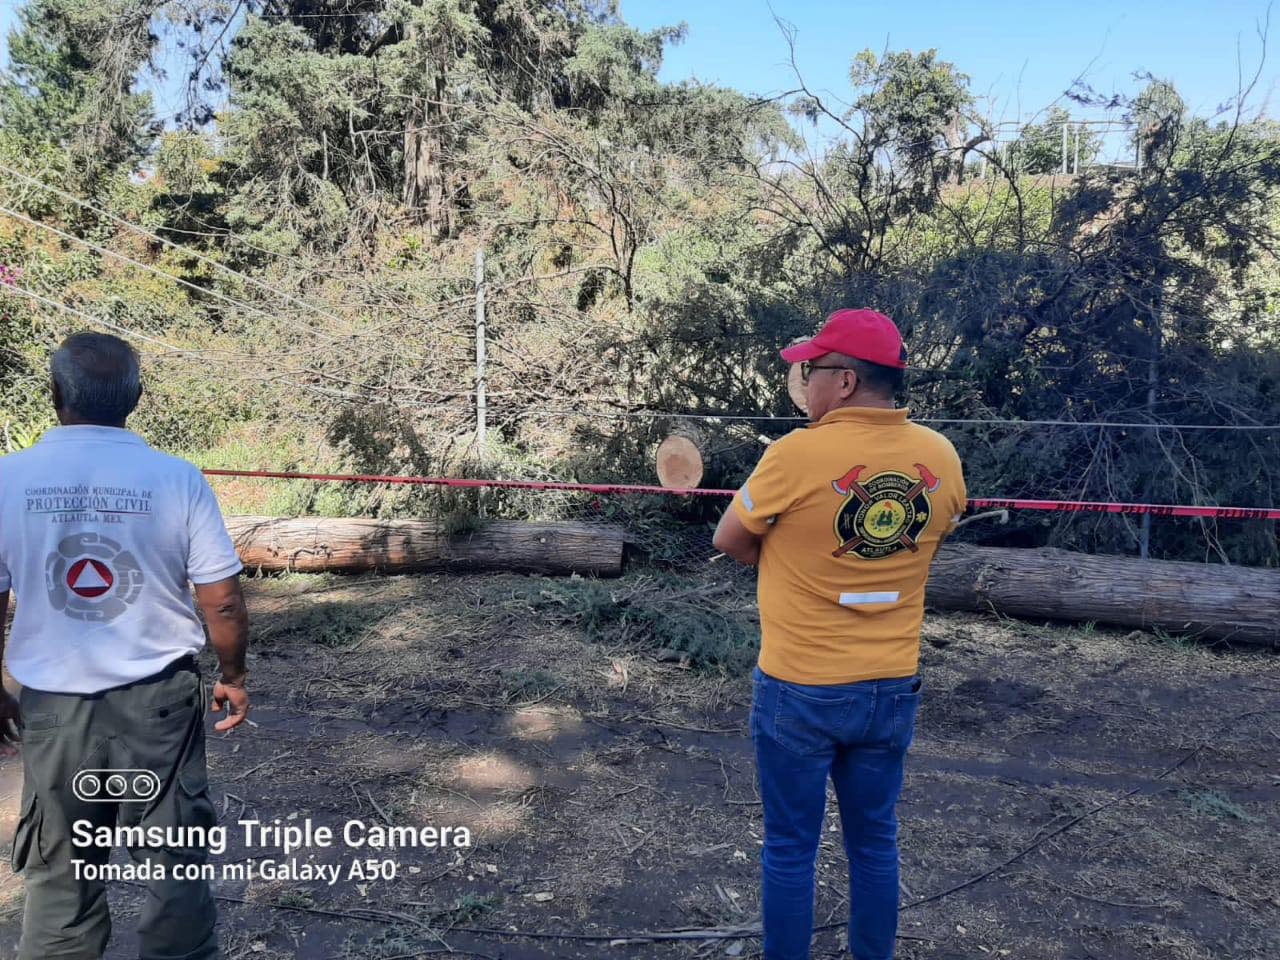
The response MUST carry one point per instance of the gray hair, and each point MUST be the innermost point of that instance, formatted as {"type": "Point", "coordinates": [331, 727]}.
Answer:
{"type": "Point", "coordinates": [98, 376]}
{"type": "Point", "coordinates": [878, 379]}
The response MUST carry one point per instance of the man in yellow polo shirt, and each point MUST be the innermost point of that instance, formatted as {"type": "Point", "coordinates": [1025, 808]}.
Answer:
{"type": "Point", "coordinates": [843, 519]}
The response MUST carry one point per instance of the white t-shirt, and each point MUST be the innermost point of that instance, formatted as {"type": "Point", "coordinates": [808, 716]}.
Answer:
{"type": "Point", "coordinates": [99, 535]}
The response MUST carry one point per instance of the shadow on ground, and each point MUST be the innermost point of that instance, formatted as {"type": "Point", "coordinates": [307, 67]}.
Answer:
{"type": "Point", "coordinates": [1123, 788]}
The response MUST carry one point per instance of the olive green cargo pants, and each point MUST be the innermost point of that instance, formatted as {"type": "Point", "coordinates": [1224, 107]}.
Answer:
{"type": "Point", "coordinates": [157, 725]}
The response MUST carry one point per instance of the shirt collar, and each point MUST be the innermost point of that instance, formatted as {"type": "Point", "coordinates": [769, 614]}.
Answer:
{"type": "Point", "coordinates": [880, 416]}
{"type": "Point", "coordinates": [81, 432]}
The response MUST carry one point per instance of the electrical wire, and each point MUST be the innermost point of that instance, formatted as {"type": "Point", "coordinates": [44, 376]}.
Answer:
{"type": "Point", "coordinates": [188, 251]}
{"type": "Point", "coordinates": [205, 357]}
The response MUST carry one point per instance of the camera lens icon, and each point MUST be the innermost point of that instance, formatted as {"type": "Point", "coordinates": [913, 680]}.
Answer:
{"type": "Point", "coordinates": [115, 786]}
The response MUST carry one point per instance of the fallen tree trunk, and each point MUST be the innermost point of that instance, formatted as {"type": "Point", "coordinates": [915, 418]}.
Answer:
{"type": "Point", "coordinates": [1241, 604]}
{"type": "Point", "coordinates": [324, 544]}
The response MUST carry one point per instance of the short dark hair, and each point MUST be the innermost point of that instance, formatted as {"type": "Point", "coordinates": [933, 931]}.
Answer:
{"type": "Point", "coordinates": [98, 376]}
{"type": "Point", "coordinates": [876, 377]}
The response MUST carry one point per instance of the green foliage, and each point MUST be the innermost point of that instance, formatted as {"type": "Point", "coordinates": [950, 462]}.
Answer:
{"type": "Point", "coordinates": [526, 685]}
{"type": "Point", "coordinates": [909, 100]}
{"type": "Point", "coordinates": [648, 247]}
{"type": "Point", "coordinates": [675, 615]}
{"type": "Point", "coordinates": [18, 437]}
{"type": "Point", "coordinates": [1157, 115]}
{"type": "Point", "coordinates": [71, 77]}
{"type": "Point", "coordinates": [1210, 803]}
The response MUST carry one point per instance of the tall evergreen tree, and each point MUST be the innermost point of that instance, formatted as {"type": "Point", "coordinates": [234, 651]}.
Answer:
{"type": "Point", "coordinates": [72, 79]}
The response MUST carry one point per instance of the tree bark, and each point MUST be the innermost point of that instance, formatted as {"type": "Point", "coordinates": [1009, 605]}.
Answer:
{"type": "Point", "coordinates": [423, 190]}
{"type": "Point", "coordinates": [424, 177]}
{"type": "Point", "coordinates": [1211, 601]}
{"type": "Point", "coordinates": [324, 544]}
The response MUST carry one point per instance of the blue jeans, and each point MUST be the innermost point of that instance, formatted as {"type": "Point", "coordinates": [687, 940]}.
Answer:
{"type": "Point", "coordinates": [858, 734]}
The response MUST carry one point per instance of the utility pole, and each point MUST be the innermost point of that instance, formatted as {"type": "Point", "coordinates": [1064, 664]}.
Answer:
{"type": "Point", "coordinates": [1064, 147]}
{"type": "Point", "coordinates": [1075, 164]}
{"type": "Point", "coordinates": [481, 384]}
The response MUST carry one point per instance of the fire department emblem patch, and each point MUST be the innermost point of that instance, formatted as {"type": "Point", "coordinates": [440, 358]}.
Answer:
{"type": "Point", "coordinates": [90, 577]}
{"type": "Point", "coordinates": [883, 515]}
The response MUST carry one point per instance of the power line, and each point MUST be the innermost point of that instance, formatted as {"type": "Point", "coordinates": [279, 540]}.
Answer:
{"type": "Point", "coordinates": [99, 321]}
{"type": "Point", "coordinates": [128, 225]}
{"type": "Point", "coordinates": [1138, 425]}
{"type": "Point", "coordinates": [234, 301]}
{"type": "Point", "coordinates": [158, 272]}
{"type": "Point", "coordinates": [200, 357]}
{"type": "Point", "coordinates": [140, 231]}
{"type": "Point", "coordinates": [107, 252]}
{"type": "Point", "coordinates": [992, 421]}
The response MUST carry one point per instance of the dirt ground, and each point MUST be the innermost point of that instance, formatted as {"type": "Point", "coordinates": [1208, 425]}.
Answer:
{"type": "Point", "coordinates": [1092, 794]}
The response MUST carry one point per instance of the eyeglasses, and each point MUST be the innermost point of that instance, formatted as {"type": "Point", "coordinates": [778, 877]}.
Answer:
{"type": "Point", "coordinates": [806, 368]}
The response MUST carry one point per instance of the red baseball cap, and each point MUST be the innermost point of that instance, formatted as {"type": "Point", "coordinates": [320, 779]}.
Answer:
{"type": "Point", "coordinates": [864, 334]}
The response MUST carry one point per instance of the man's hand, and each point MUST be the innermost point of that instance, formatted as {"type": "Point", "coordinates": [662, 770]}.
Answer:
{"type": "Point", "coordinates": [10, 722]}
{"type": "Point", "coordinates": [235, 698]}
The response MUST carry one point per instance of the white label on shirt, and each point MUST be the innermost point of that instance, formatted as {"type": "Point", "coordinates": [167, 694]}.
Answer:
{"type": "Point", "coordinates": [746, 498]}
{"type": "Point", "coordinates": [857, 599]}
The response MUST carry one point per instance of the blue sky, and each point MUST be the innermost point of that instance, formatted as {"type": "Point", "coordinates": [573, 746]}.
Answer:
{"type": "Point", "coordinates": [1021, 56]}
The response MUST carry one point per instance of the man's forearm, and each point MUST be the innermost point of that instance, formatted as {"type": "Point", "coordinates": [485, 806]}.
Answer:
{"type": "Point", "coordinates": [736, 541]}
{"type": "Point", "coordinates": [229, 637]}
{"type": "Point", "coordinates": [745, 553]}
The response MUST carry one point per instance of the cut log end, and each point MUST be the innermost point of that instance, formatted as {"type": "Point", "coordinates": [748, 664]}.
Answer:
{"type": "Point", "coordinates": [796, 390]}
{"type": "Point", "coordinates": [680, 463]}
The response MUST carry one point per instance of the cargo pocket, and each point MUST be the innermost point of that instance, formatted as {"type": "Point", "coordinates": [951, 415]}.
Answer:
{"type": "Point", "coordinates": [195, 806]}
{"type": "Point", "coordinates": [39, 725]}
{"type": "Point", "coordinates": [26, 839]}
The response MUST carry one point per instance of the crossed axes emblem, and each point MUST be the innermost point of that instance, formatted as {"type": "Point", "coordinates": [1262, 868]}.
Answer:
{"type": "Point", "coordinates": [849, 484]}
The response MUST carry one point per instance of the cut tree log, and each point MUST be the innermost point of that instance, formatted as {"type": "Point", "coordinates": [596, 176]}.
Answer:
{"type": "Point", "coordinates": [682, 458]}
{"type": "Point", "coordinates": [340, 545]}
{"type": "Point", "coordinates": [796, 389]}
{"type": "Point", "coordinates": [1211, 601]}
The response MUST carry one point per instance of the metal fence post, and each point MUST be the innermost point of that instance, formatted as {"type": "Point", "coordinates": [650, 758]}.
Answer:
{"type": "Point", "coordinates": [481, 385]}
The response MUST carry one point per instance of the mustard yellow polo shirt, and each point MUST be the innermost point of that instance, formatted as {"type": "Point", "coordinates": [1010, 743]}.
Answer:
{"type": "Point", "coordinates": [852, 510]}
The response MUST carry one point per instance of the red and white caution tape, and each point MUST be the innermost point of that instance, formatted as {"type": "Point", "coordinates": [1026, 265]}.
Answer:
{"type": "Point", "coordinates": [1060, 506]}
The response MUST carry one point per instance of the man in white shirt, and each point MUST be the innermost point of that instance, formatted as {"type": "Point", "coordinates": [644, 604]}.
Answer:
{"type": "Point", "coordinates": [99, 537]}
